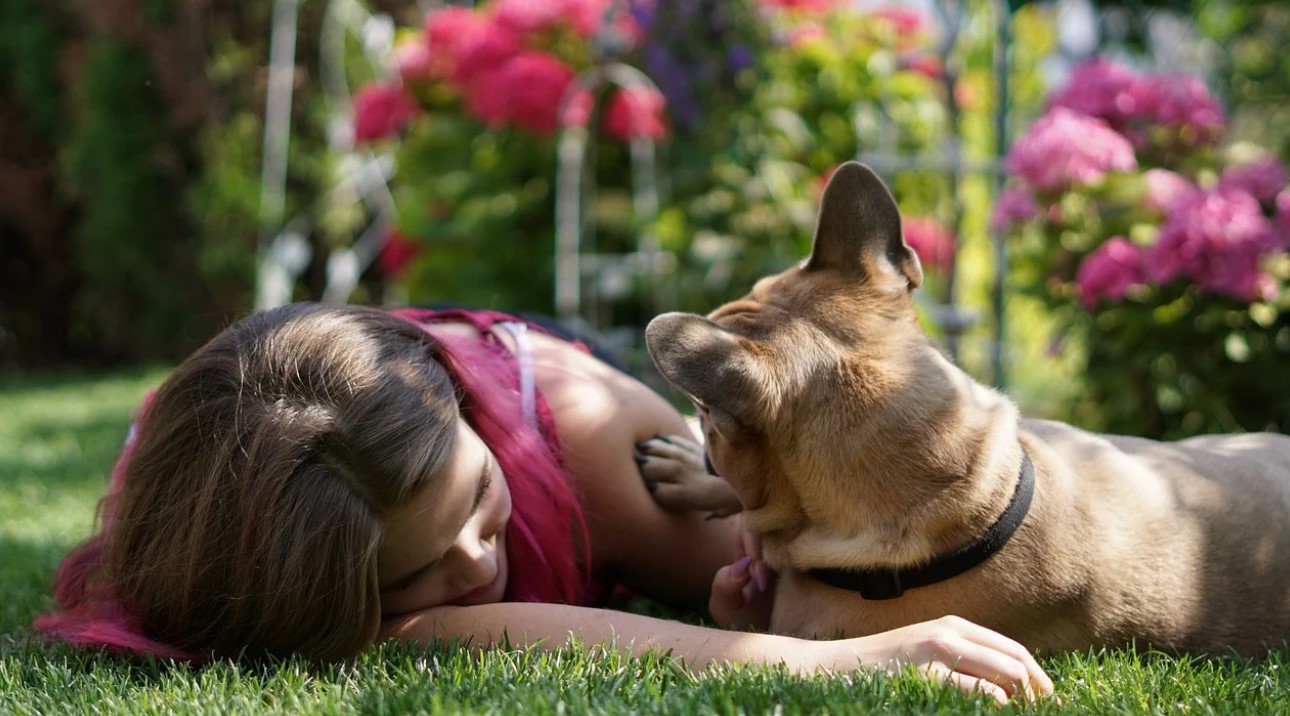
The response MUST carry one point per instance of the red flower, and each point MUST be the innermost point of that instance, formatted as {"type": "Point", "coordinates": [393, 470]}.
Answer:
{"type": "Point", "coordinates": [577, 110]}
{"type": "Point", "coordinates": [381, 110]}
{"type": "Point", "coordinates": [483, 48]}
{"type": "Point", "coordinates": [396, 253]}
{"type": "Point", "coordinates": [636, 112]}
{"type": "Point", "coordinates": [906, 21]}
{"type": "Point", "coordinates": [931, 240]}
{"type": "Point", "coordinates": [526, 90]}
{"type": "Point", "coordinates": [446, 29]}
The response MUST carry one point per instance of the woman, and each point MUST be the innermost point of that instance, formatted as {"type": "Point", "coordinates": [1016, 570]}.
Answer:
{"type": "Point", "coordinates": [319, 477]}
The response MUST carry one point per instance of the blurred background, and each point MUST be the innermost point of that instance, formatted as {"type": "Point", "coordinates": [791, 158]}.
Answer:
{"type": "Point", "coordinates": [1097, 189]}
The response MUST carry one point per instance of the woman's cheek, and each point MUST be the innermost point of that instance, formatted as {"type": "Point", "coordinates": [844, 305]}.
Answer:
{"type": "Point", "coordinates": [422, 595]}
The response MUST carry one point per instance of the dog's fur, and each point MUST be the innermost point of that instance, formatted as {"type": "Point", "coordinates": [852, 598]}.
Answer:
{"type": "Point", "coordinates": [853, 442]}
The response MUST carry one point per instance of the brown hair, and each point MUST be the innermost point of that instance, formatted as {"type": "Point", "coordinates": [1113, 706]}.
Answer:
{"type": "Point", "coordinates": [252, 507]}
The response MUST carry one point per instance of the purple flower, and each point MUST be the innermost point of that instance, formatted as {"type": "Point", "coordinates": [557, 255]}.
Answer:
{"type": "Point", "coordinates": [1216, 239]}
{"type": "Point", "coordinates": [1109, 271]}
{"type": "Point", "coordinates": [1065, 148]}
{"type": "Point", "coordinates": [1283, 217]}
{"type": "Point", "coordinates": [739, 58]}
{"type": "Point", "coordinates": [1164, 188]}
{"type": "Point", "coordinates": [1014, 205]}
{"type": "Point", "coordinates": [1183, 104]}
{"type": "Point", "coordinates": [1262, 179]}
{"type": "Point", "coordinates": [1103, 89]}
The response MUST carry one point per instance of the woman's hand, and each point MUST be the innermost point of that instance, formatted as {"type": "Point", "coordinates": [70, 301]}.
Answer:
{"type": "Point", "coordinates": [951, 649]}
{"type": "Point", "coordinates": [673, 469]}
{"type": "Point", "coordinates": [743, 592]}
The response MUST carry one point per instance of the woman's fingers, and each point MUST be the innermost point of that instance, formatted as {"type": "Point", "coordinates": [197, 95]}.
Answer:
{"type": "Point", "coordinates": [727, 598]}
{"type": "Point", "coordinates": [969, 651]}
{"type": "Point", "coordinates": [1036, 679]}
{"type": "Point", "coordinates": [969, 684]}
{"type": "Point", "coordinates": [1002, 670]}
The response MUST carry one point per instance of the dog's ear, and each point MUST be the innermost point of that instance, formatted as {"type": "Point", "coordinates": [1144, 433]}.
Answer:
{"type": "Point", "coordinates": [709, 364]}
{"type": "Point", "coordinates": [859, 230]}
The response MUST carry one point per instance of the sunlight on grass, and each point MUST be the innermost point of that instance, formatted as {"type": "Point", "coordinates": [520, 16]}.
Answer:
{"type": "Point", "coordinates": [59, 438]}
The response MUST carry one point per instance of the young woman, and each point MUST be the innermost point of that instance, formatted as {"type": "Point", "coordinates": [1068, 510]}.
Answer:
{"type": "Point", "coordinates": [320, 477]}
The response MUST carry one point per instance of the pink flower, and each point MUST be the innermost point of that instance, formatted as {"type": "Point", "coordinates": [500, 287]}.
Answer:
{"type": "Point", "coordinates": [931, 240]}
{"type": "Point", "coordinates": [483, 48]}
{"type": "Point", "coordinates": [1283, 216]}
{"type": "Point", "coordinates": [1164, 188]}
{"type": "Point", "coordinates": [526, 17]}
{"type": "Point", "coordinates": [1183, 104]}
{"type": "Point", "coordinates": [1216, 239]}
{"type": "Point", "coordinates": [526, 90]}
{"type": "Point", "coordinates": [804, 5]}
{"type": "Point", "coordinates": [414, 62]}
{"type": "Point", "coordinates": [806, 32]}
{"type": "Point", "coordinates": [381, 110]}
{"type": "Point", "coordinates": [636, 112]}
{"type": "Point", "coordinates": [1103, 89]}
{"type": "Point", "coordinates": [577, 108]}
{"type": "Point", "coordinates": [908, 23]}
{"type": "Point", "coordinates": [1065, 148]}
{"type": "Point", "coordinates": [445, 30]}
{"type": "Point", "coordinates": [1262, 179]}
{"type": "Point", "coordinates": [924, 64]}
{"type": "Point", "coordinates": [1014, 206]}
{"type": "Point", "coordinates": [1109, 272]}
{"type": "Point", "coordinates": [396, 253]}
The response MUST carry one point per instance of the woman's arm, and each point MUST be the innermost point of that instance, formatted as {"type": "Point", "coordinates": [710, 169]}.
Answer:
{"type": "Point", "coordinates": [601, 414]}
{"type": "Point", "coordinates": [970, 657]}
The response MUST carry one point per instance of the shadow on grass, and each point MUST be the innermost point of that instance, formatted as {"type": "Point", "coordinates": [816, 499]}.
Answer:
{"type": "Point", "coordinates": [59, 450]}
{"type": "Point", "coordinates": [26, 576]}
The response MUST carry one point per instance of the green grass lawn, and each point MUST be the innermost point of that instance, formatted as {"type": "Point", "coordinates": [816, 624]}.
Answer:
{"type": "Point", "coordinates": [59, 436]}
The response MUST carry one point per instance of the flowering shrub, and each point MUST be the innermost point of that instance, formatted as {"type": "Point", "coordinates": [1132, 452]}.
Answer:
{"type": "Point", "coordinates": [1165, 257]}
{"type": "Point", "coordinates": [756, 100]}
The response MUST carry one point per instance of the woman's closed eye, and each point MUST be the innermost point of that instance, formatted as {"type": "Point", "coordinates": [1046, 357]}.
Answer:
{"type": "Point", "coordinates": [485, 482]}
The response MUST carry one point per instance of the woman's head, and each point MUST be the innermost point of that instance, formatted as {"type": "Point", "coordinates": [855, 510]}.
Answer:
{"type": "Point", "coordinates": [291, 473]}
{"type": "Point", "coordinates": [252, 507]}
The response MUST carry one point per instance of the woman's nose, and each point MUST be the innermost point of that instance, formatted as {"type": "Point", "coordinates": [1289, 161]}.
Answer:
{"type": "Point", "coordinates": [477, 560]}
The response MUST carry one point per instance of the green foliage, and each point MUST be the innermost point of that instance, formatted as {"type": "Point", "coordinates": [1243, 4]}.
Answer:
{"type": "Point", "coordinates": [130, 237]}
{"type": "Point", "coordinates": [223, 202]}
{"type": "Point", "coordinates": [1254, 69]}
{"type": "Point", "coordinates": [29, 60]}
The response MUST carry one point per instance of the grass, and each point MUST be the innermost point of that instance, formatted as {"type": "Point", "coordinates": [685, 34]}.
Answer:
{"type": "Point", "coordinates": [59, 436]}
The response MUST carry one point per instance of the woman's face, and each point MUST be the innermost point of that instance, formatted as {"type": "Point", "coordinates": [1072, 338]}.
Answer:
{"type": "Point", "coordinates": [447, 545]}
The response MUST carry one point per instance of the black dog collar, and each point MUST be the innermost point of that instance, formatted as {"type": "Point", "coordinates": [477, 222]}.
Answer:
{"type": "Point", "coordinates": [891, 583]}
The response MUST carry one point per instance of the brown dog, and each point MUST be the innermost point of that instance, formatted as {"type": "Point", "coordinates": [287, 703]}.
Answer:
{"type": "Point", "coordinates": [889, 488]}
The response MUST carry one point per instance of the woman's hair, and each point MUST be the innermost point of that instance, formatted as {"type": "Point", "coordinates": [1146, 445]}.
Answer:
{"type": "Point", "coordinates": [247, 513]}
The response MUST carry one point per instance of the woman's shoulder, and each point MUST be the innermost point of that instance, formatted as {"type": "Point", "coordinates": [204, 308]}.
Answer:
{"type": "Point", "coordinates": [585, 392]}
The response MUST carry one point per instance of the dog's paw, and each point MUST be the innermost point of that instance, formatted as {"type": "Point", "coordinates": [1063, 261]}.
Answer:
{"type": "Point", "coordinates": [673, 469]}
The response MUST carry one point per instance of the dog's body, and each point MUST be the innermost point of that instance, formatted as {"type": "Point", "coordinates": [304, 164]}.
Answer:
{"type": "Point", "coordinates": [854, 443]}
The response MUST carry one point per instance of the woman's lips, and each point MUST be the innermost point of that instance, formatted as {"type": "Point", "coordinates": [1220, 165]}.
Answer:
{"type": "Point", "coordinates": [485, 594]}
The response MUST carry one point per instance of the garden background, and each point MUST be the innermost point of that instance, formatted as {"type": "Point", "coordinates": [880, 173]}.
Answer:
{"type": "Point", "coordinates": [1116, 256]}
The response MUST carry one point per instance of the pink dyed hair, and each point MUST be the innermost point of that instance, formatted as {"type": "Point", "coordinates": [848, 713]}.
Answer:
{"type": "Point", "coordinates": [547, 535]}
{"type": "Point", "coordinates": [547, 544]}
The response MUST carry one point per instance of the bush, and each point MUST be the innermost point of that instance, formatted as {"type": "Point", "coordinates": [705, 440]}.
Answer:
{"type": "Point", "coordinates": [756, 103]}
{"type": "Point", "coordinates": [1161, 251]}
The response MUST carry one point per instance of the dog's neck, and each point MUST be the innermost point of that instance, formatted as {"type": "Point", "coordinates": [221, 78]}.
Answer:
{"type": "Point", "coordinates": [926, 477]}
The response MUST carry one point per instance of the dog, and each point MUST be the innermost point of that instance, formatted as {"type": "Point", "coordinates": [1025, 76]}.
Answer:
{"type": "Point", "coordinates": [888, 487]}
